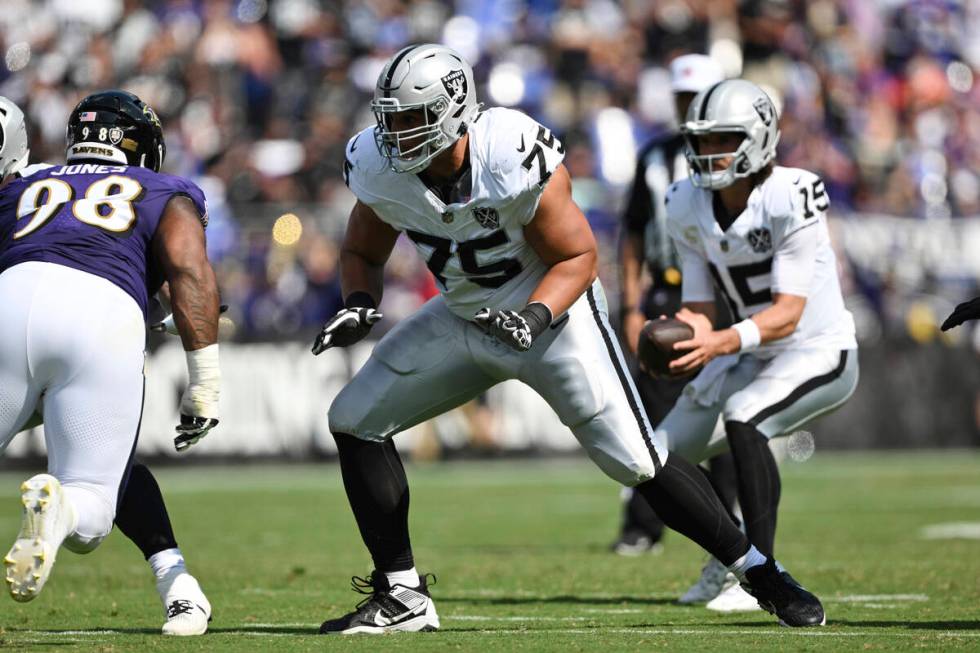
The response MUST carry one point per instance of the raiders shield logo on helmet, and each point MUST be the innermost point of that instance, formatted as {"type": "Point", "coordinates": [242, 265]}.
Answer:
{"type": "Point", "coordinates": [763, 107]}
{"type": "Point", "coordinates": [455, 83]}
{"type": "Point", "coordinates": [760, 240]}
{"type": "Point", "coordinates": [487, 216]}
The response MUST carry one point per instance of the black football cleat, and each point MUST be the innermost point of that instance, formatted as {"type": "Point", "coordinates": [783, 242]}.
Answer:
{"type": "Point", "coordinates": [387, 609]}
{"type": "Point", "coordinates": [778, 593]}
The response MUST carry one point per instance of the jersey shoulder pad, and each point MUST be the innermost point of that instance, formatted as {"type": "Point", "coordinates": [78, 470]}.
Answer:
{"type": "Point", "coordinates": [173, 185]}
{"type": "Point", "coordinates": [31, 169]}
{"type": "Point", "coordinates": [679, 201]}
{"type": "Point", "coordinates": [792, 198]}
{"type": "Point", "coordinates": [520, 153]}
{"type": "Point", "coordinates": [363, 164]}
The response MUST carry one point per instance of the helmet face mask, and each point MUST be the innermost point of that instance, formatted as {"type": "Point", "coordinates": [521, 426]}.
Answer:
{"type": "Point", "coordinates": [731, 106]}
{"type": "Point", "coordinates": [717, 169]}
{"type": "Point", "coordinates": [411, 148]}
{"type": "Point", "coordinates": [423, 102]}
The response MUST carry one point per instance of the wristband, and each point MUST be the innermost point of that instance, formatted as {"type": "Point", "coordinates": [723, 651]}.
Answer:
{"type": "Point", "coordinates": [202, 364]}
{"type": "Point", "coordinates": [538, 317]}
{"type": "Point", "coordinates": [748, 335]}
{"type": "Point", "coordinates": [360, 299]}
{"type": "Point", "coordinates": [204, 386]}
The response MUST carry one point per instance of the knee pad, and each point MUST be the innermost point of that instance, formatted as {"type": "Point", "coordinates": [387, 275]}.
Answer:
{"type": "Point", "coordinates": [94, 513]}
{"type": "Point", "coordinates": [79, 543]}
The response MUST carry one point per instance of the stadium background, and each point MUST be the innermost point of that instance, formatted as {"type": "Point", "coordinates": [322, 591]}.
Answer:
{"type": "Point", "coordinates": [258, 100]}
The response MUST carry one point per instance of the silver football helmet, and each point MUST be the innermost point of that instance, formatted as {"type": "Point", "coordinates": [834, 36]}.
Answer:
{"type": "Point", "coordinates": [13, 138]}
{"type": "Point", "coordinates": [434, 80]}
{"type": "Point", "coordinates": [733, 105]}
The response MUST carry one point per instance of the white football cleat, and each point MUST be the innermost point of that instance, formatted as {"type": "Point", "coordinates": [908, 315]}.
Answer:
{"type": "Point", "coordinates": [48, 518]}
{"type": "Point", "coordinates": [714, 576]}
{"type": "Point", "coordinates": [733, 599]}
{"type": "Point", "coordinates": [184, 604]}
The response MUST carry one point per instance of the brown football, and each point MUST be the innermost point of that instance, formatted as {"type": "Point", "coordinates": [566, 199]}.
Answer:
{"type": "Point", "coordinates": [656, 347]}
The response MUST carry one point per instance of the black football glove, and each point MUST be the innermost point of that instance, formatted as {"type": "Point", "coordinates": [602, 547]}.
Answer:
{"type": "Point", "coordinates": [191, 429]}
{"type": "Point", "coordinates": [516, 330]}
{"type": "Point", "coordinates": [966, 311]}
{"type": "Point", "coordinates": [349, 325]}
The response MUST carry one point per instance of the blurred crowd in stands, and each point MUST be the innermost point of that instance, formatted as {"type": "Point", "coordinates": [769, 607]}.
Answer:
{"type": "Point", "coordinates": [258, 99]}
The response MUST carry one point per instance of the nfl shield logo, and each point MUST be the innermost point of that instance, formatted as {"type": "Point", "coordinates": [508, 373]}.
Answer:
{"type": "Point", "coordinates": [760, 240]}
{"type": "Point", "coordinates": [487, 216]}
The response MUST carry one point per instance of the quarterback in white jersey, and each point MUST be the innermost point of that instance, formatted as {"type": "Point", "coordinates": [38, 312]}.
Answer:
{"type": "Point", "coordinates": [758, 232]}
{"type": "Point", "coordinates": [486, 201]}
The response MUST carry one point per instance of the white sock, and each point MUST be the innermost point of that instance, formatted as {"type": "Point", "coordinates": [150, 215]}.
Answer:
{"type": "Point", "coordinates": [408, 578]}
{"type": "Point", "coordinates": [751, 559]}
{"type": "Point", "coordinates": [166, 561]}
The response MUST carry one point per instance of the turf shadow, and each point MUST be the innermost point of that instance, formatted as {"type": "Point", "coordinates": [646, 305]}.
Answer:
{"type": "Point", "coordinates": [263, 630]}
{"type": "Point", "coordinates": [563, 598]}
{"type": "Point", "coordinates": [913, 625]}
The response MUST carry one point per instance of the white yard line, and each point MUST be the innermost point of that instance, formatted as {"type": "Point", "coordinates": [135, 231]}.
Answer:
{"type": "Point", "coordinates": [871, 598]}
{"type": "Point", "coordinates": [951, 530]}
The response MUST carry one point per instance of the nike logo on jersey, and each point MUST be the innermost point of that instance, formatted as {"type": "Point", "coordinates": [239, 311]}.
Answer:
{"type": "Point", "coordinates": [353, 146]}
{"type": "Point", "coordinates": [522, 147]}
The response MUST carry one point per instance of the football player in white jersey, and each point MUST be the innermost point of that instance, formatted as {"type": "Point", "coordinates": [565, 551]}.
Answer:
{"type": "Point", "coordinates": [485, 199]}
{"type": "Point", "coordinates": [141, 513]}
{"type": "Point", "coordinates": [758, 233]}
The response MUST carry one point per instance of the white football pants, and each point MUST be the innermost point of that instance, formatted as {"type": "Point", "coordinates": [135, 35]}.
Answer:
{"type": "Point", "coordinates": [72, 342]}
{"type": "Point", "coordinates": [435, 361]}
{"type": "Point", "coordinates": [776, 396]}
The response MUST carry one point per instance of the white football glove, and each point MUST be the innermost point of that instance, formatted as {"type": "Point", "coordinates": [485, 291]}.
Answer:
{"type": "Point", "coordinates": [345, 328]}
{"type": "Point", "coordinates": [199, 403]}
{"type": "Point", "coordinates": [167, 324]}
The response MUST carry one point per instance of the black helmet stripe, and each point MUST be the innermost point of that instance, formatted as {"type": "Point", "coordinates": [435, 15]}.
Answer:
{"type": "Point", "coordinates": [394, 65]}
{"type": "Point", "coordinates": [707, 96]}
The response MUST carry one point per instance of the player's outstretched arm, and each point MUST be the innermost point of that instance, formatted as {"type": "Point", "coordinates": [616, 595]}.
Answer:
{"type": "Point", "coordinates": [969, 310]}
{"type": "Point", "coordinates": [563, 239]}
{"type": "Point", "coordinates": [179, 247]}
{"type": "Point", "coordinates": [366, 248]}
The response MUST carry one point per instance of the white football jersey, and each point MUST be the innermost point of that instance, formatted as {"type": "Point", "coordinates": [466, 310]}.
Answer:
{"type": "Point", "coordinates": [753, 258]}
{"type": "Point", "coordinates": [475, 246]}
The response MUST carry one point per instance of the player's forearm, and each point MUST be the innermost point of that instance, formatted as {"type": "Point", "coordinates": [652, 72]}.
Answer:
{"type": "Point", "coordinates": [195, 303]}
{"type": "Point", "coordinates": [358, 274]}
{"type": "Point", "coordinates": [776, 322]}
{"type": "Point", "coordinates": [632, 271]}
{"type": "Point", "coordinates": [565, 281]}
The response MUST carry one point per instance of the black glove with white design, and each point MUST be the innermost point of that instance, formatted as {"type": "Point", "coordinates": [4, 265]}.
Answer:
{"type": "Point", "coordinates": [966, 311]}
{"type": "Point", "coordinates": [349, 325]}
{"type": "Point", "coordinates": [516, 330]}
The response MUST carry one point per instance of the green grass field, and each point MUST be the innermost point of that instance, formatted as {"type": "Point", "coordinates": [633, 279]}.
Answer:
{"type": "Point", "coordinates": [520, 552]}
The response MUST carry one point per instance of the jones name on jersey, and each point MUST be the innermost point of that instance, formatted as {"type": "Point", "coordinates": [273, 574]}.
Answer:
{"type": "Point", "coordinates": [779, 244]}
{"type": "Point", "coordinates": [474, 245]}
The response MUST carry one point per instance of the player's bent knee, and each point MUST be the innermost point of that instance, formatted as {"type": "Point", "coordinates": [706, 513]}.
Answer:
{"type": "Point", "coordinates": [82, 543]}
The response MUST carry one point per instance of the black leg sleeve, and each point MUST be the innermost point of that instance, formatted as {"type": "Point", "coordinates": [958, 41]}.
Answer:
{"type": "Point", "coordinates": [142, 514]}
{"type": "Point", "coordinates": [758, 483]}
{"type": "Point", "coordinates": [378, 493]}
{"type": "Point", "coordinates": [687, 503]}
{"type": "Point", "coordinates": [721, 473]}
{"type": "Point", "coordinates": [638, 516]}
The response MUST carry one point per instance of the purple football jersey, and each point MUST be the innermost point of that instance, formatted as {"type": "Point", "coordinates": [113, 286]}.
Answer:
{"type": "Point", "coordinates": [92, 217]}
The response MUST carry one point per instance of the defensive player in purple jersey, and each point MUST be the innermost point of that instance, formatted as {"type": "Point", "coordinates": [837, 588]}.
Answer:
{"type": "Point", "coordinates": [141, 514]}
{"type": "Point", "coordinates": [82, 247]}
